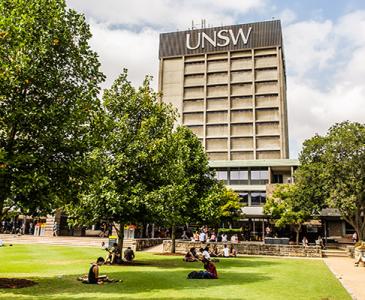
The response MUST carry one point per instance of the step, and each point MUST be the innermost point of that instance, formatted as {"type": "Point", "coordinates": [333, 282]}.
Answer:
{"type": "Point", "coordinates": [334, 253]}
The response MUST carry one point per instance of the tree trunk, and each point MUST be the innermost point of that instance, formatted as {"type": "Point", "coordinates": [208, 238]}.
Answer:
{"type": "Point", "coordinates": [1, 207]}
{"type": "Point", "coordinates": [120, 233]}
{"type": "Point", "coordinates": [297, 237]}
{"type": "Point", "coordinates": [173, 237]}
{"type": "Point", "coordinates": [3, 194]}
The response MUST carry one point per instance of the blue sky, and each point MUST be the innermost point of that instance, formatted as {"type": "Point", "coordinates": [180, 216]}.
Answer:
{"type": "Point", "coordinates": [324, 44]}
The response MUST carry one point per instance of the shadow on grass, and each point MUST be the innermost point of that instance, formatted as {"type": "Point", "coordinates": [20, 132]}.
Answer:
{"type": "Point", "coordinates": [134, 283]}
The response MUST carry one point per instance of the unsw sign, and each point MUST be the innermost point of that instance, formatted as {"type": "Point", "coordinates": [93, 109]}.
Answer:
{"type": "Point", "coordinates": [221, 38]}
{"type": "Point", "coordinates": [225, 38]}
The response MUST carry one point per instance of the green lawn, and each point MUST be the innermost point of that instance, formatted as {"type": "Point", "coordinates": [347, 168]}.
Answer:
{"type": "Point", "coordinates": [55, 268]}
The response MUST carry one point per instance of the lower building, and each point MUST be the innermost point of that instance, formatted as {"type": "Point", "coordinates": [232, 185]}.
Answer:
{"type": "Point", "coordinates": [253, 180]}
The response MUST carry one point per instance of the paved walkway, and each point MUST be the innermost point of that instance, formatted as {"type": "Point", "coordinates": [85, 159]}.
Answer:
{"type": "Point", "coordinates": [352, 278]}
{"type": "Point", "coordinates": [154, 249]}
{"type": "Point", "coordinates": [59, 240]}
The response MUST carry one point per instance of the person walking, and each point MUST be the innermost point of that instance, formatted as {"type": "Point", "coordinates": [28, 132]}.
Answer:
{"type": "Point", "coordinates": [55, 229]}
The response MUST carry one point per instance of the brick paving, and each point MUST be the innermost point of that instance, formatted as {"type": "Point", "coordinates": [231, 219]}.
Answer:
{"type": "Point", "coordinates": [352, 278]}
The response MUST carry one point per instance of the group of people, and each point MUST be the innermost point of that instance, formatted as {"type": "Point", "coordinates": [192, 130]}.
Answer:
{"type": "Point", "coordinates": [207, 253]}
{"type": "Point", "coordinates": [206, 236]}
{"type": "Point", "coordinates": [16, 227]}
{"type": "Point", "coordinates": [114, 255]}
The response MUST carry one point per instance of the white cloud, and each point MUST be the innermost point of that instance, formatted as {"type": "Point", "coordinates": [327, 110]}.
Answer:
{"type": "Point", "coordinates": [326, 83]}
{"type": "Point", "coordinates": [168, 14]}
{"type": "Point", "coordinates": [309, 45]}
{"type": "Point", "coordinates": [118, 49]}
{"type": "Point", "coordinates": [287, 16]}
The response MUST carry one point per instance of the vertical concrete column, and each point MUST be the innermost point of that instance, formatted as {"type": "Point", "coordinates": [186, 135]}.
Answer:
{"type": "Point", "coordinates": [229, 104]}
{"type": "Point", "coordinates": [205, 102]}
{"type": "Point", "coordinates": [253, 104]}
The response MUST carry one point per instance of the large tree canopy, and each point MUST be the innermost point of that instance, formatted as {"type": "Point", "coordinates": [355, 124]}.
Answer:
{"type": "Point", "coordinates": [49, 80]}
{"type": "Point", "coordinates": [131, 160]}
{"type": "Point", "coordinates": [332, 171]}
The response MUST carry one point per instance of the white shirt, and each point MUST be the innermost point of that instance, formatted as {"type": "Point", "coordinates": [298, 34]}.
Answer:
{"type": "Point", "coordinates": [202, 237]}
{"type": "Point", "coordinates": [226, 252]}
{"type": "Point", "coordinates": [224, 238]}
{"type": "Point", "coordinates": [206, 254]}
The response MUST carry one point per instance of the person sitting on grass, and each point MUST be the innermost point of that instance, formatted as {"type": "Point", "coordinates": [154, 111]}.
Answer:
{"type": "Point", "coordinates": [113, 255]}
{"type": "Point", "coordinates": [93, 276]}
{"type": "Point", "coordinates": [205, 253]}
{"type": "Point", "coordinates": [129, 255]}
{"type": "Point", "coordinates": [210, 269]}
{"type": "Point", "coordinates": [191, 255]}
{"type": "Point", "coordinates": [209, 273]}
{"type": "Point", "coordinates": [226, 252]}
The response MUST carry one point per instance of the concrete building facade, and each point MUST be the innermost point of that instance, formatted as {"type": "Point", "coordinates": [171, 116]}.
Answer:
{"type": "Point", "coordinates": [229, 86]}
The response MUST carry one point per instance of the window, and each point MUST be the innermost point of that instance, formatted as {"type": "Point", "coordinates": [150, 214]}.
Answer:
{"type": "Point", "coordinates": [243, 198]}
{"type": "Point", "coordinates": [349, 229]}
{"type": "Point", "coordinates": [239, 176]}
{"type": "Point", "coordinates": [259, 176]}
{"type": "Point", "coordinates": [258, 198]}
{"type": "Point", "coordinates": [221, 175]}
{"type": "Point", "coordinates": [278, 178]}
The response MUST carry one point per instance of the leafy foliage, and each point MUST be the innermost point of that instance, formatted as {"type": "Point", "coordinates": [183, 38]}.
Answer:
{"type": "Point", "coordinates": [130, 160]}
{"type": "Point", "coordinates": [49, 80]}
{"type": "Point", "coordinates": [333, 171]}
{"type": "Point", "coordinates": [221, 204]}
{"type": "Point", "coordinates": [285, 208]}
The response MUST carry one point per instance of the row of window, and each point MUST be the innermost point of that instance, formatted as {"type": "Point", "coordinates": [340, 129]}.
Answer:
{"type": "Point", "coordinates": [243, 176]}
{"type": "Point", "coordinates": [252, 198]}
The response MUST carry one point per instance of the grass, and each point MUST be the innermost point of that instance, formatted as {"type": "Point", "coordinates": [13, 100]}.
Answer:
{"type": "Point", "coordinates": [55, 269]}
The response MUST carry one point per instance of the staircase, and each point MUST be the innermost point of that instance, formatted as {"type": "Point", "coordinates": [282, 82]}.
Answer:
{"type": "Point", "coordinates": [334, 252]}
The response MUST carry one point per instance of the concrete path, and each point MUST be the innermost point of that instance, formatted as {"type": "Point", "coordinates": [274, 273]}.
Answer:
{"type": "Point", "coordinates": [59, 240]}
{"type": "Point", "coordinates": [352, 278]}
{"type": "Point", "coordinates": [154, 249]}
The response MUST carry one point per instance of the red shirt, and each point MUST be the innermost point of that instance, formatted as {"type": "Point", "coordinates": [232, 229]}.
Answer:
{"type": "Point", "coordinates": [210, 267]}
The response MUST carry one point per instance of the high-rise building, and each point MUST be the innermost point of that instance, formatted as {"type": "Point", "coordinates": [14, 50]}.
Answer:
{"type": "Point", "coordinates": [228, 84]}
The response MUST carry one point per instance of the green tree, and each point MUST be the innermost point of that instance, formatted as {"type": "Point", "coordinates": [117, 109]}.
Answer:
{"type": "Point", "coordinates": [131, 161]}
{"type": "Point", "coordinates": [221, 205]}
{"type": "Point", "coordinates": [186, 182]}
{"type": "Point", "coordinates": [333, 171]}
{"type": "Point", "coordinates": [49, 80]}
{"type": "Point", "coordinates": [285, 208]}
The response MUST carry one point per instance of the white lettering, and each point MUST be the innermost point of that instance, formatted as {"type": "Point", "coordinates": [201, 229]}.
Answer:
{"type": "Point", "coordinates": [224, 37]}
{"type": "Point", "coordinates": [206, 37]}
{"type": "Point", "coordinates": [221, 39]}
{"type": "Point", "coordinates": [240, 33]}
{"type": "Point", "coordinates": [188, 45]}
